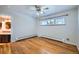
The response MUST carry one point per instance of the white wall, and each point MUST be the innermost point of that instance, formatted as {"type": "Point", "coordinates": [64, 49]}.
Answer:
{"type": "Point", "coordinates": [62, 32]}
{"type": "Point", "coordinates": [23, 25]}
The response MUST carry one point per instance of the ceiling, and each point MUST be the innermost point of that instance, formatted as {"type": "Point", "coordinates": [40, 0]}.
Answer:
{"type": "Point", "coordinates": [30, 9]}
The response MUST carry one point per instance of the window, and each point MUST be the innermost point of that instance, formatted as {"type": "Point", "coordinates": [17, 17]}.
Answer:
{"type": "Point", "coordinates": [60, 20]}
{"type": "Point", "coordinates": [54, 21]}
{"type": "Point", "coordinates": [48, 22]}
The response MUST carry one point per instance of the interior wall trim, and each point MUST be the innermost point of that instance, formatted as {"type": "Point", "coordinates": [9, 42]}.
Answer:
{"type": "Point", "coordinates": [57, 40]}
{"type": "Point", "coordinates": [25, 38]}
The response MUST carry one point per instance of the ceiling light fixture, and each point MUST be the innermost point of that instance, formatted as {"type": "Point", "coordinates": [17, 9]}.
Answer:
{"type": "Point", "coordinates": [39, 13]}
{"type": "Point", "coordinates": [40, 9]}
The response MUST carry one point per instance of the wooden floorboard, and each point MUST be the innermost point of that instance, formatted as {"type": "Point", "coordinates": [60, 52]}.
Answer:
{"type": "Point", "coordinates": [38, 45]}
{"type": "Point", "coordinates": [5, 48]}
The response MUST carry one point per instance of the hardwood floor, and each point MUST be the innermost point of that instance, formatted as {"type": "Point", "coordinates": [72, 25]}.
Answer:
{"type": "Point", "coordinates": [5, 48]}
{"type": "Point", "coordinates": [38, 45]}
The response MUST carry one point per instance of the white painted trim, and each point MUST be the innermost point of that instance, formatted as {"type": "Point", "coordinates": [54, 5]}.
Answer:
{"type": "Point", "coordinates": [62, 40]}
{"type": "Point", "coordinates": [19, 38]}
{"type": "Point", "coordinates": [12, 40]}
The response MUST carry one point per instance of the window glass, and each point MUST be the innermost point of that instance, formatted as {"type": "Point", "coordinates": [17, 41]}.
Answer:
{"type": "Point", "coordinates": [60, 20]}
{"type": "Point", "coordinates": [53, 21]}
{"type": "Point", "coordinates": [48, 22]}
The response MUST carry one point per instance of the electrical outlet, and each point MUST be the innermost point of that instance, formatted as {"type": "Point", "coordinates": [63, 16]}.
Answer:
{"type": "Point", "coordinates": [68, 39]}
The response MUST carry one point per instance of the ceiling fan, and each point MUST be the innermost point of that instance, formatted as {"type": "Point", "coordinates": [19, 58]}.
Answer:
{"type": "Point", "coordinates": [40, 9]}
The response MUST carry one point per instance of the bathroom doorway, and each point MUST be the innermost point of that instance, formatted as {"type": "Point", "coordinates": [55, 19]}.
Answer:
{"type": "Point", "coordinates": [5, 29]}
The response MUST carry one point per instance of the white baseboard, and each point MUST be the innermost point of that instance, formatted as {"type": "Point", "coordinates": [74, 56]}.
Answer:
{"type": "Point", "coordinates": [19, 38]}
{"type": "Point", "coordinates": [62, 40]}
{"type": "Point", "coordinates": [52, 38]}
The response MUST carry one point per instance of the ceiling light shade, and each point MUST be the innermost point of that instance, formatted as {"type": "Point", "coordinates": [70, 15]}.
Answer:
{"type": "Point", "coordinates": [41, 12]}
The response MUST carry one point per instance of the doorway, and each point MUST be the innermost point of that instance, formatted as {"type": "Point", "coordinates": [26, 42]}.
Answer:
{"type": "Point", "coordinates": [5, 29]}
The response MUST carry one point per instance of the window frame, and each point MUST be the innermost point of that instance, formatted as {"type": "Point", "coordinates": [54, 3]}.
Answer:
{"type": "Point", "coordinates": [54, 24]}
